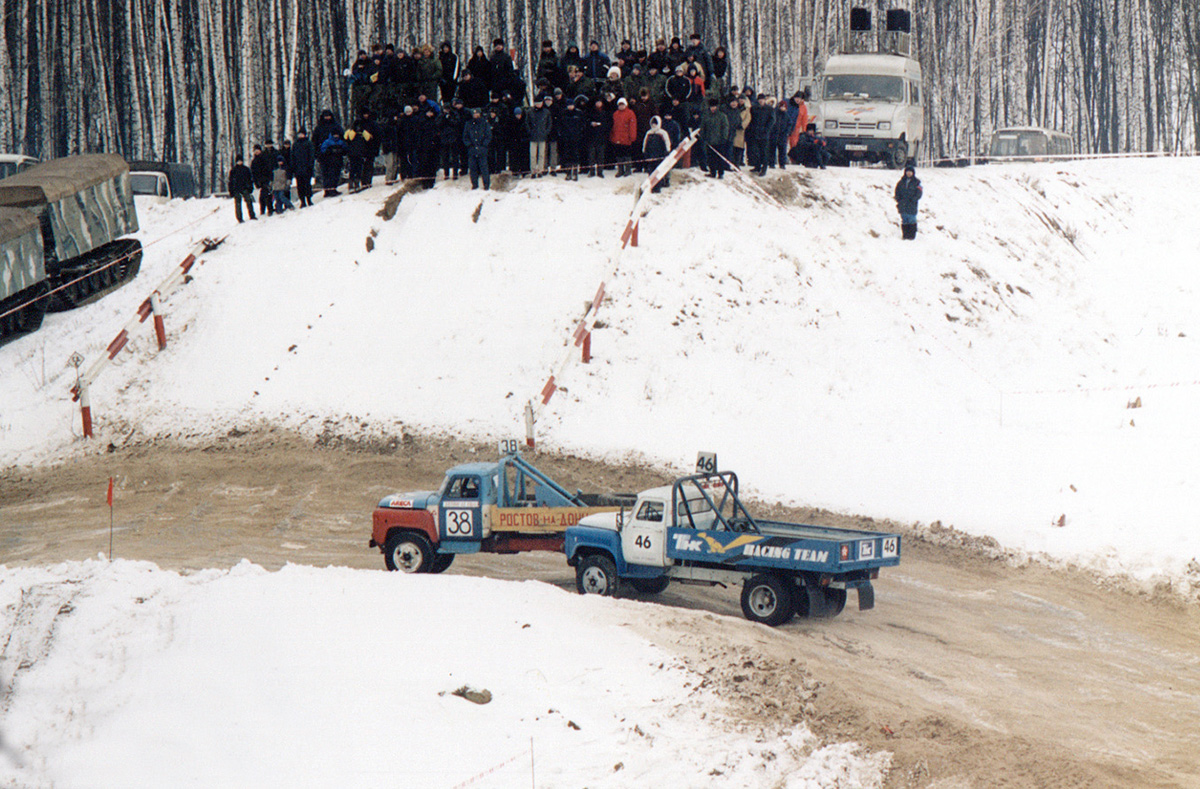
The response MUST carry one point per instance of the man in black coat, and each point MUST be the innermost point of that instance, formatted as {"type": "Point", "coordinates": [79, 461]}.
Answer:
{"type": "Point", "coordinates": [303, 161]}
{"type": "Point", "coordinates": [429, 146]}
{"type": "Point", "coordinates": [408, 138]}
{"type": "Point", "coordinates": [450, 129]}
{"type": "Point", "coordinates": [330, 147]}
{"type": "Point", "coordinates": [569, 130]}
{"type": "Point", "coordinates": [262, 167]}
{"type": "Point", "coordinates": [597, 127]}
{"type": "Point", "coordinates": [758, 135]}
{"type": "Point", "coordinates": [908, 194]}
{"type": "Point", "coordinates": [241, 187]}
{"type": "Point", "coordinates": [504, 73]}
{"type": "Point", "coordinates": [477, 137]}
{"type": "Point", "coordinates": [449, 81]}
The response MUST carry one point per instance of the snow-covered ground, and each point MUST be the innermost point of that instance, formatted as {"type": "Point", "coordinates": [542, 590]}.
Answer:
{"type": "Point", "coordinates": [981, 376]}
{"type": "Point", "coordinates": [127, 675]}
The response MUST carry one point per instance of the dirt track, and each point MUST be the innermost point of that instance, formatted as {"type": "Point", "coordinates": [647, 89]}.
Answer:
{"type": "Point", "coordinates": [971, 671]}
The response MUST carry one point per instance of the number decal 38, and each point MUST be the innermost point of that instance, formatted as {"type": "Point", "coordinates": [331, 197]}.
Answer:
{"type": "Point", "coordinates": [459, 522]}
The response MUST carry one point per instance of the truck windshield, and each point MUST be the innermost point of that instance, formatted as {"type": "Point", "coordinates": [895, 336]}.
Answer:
{"type": "Point", "coordinates": [463, 488]}
{"type": "Point", "coordinates": [864, 86]}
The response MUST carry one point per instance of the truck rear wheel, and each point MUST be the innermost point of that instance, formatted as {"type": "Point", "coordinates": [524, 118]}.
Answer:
{"type": "Point", "coordinates": [835, 601]}
{"type": "Point", "coordinates": [408, 552]}
{"type": "Point", "coordinates": [650, 586]}
{"type": "Point", "coordinates": [768, 599]}
{"type": "Point", "coordinates": [596, 574]}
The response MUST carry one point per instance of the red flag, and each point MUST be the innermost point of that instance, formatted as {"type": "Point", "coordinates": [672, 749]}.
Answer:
{"type": "Point", "coordinates": [110, 482]}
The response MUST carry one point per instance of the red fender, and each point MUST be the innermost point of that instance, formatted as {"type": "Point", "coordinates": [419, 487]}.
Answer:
{"type": "Point", "coordinates": [385, 519]}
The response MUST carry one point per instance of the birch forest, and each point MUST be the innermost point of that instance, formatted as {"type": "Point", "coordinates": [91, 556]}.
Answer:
{"type": "Point", "coordinates": [197, 80]}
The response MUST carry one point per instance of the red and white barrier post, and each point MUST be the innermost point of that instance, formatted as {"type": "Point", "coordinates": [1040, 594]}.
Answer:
{"type": "Point", "coordinates": [85, 408]}
{"type": "Point", "coordinates": [151, 306]}
{"type": "Point", "coordinates": [160, 327]}
{"type": "Point", "coordinates": [583, 329]}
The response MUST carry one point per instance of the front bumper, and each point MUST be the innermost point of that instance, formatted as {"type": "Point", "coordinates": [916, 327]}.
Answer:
{"type": "Point", "coordinates": [872, 149]}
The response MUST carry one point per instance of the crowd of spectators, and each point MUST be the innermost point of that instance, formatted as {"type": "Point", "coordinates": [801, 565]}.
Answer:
{"type": "Point", "coordinates": [587, 112]}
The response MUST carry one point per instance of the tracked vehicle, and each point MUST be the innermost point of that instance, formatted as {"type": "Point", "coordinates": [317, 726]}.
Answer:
{"type": "Point", "coordinates": [61, 228]}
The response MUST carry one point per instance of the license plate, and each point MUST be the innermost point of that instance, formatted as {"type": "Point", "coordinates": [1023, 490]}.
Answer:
{"type": "Point", "coordinates": [854, 147]}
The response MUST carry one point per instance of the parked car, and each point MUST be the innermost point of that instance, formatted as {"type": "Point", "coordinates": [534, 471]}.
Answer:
{"type": "Point", "coordinates": [163, 179]}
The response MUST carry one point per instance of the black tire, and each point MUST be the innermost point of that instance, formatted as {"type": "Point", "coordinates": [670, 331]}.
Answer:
{"type": "Point", "coordinates": [596, 574]}
{"type": "Point", "coordinates": [898, 156]}
{"type": "Point", "coordinates": [408, 552]}
{"type": "Point", "coordinates": [442, 562]}
{"type": "Point", "coordinates": [835, 601]}
{"type": "Point", "coordinates": [768, 599]}
{"type": "Point", "coordinates": [650, 586]}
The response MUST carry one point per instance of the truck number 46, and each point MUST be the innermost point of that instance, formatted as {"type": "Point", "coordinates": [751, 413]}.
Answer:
{"type": "Point", "coordinates": [642, 541]}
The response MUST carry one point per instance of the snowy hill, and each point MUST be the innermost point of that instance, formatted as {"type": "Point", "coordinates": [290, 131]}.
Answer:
{"type": "Point", "coordinates": [979, 377]}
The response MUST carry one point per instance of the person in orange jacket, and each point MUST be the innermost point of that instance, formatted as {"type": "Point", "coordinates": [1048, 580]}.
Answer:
{"type": "Point", "coordinates": [623, 136]}
{"type": "Point", "coordinates": [802, 118]}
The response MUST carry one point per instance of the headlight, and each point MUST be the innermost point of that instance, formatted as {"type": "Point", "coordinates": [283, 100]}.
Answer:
{"type": "Point", "coordinates": [830, 124]}
{"type": "Point", "coordinates": [885, 126]}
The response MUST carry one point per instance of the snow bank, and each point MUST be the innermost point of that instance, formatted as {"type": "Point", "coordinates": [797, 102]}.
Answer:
{"type": "Point", "coordinates": [126, 675]}
{"type": "Point", "coordinates": [981, 376]}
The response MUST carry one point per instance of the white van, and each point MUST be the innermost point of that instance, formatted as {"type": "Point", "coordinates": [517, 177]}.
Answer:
{"type": "Point", "coordinates": [13, 163]}
{"type": "Point", "coordinates": [872, 108]}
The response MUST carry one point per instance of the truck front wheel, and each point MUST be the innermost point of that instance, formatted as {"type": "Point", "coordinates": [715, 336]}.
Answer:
{"type": "Point", "coordinates": [596, 574]}
{"type": "Point", "coordinates": [408, 552]}
{"type": "Point", "coordinates": [768, 599]}
{"type": "Point", "coordinates": [898, 156]}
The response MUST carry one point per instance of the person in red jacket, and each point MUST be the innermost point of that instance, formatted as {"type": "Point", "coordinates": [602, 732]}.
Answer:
{"type": "Point", "coordinates": [623, 136]}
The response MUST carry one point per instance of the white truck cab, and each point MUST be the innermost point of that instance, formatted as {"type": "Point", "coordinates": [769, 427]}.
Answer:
{"type": "Point", "coordinates": [643, 529]}
{"type": "Point", "coordinates": [872, 108]}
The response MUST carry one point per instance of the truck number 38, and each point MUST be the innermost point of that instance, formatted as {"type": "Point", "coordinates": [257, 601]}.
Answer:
{"type": "Point", "coordinates": [458, 522]}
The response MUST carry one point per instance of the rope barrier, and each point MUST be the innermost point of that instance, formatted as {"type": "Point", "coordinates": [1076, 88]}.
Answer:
{"type": "Point", "coordinates": [980, 159]}
{"type": "Point", "coordinates": [492, 770]}
{"type": "Point", "coordinates": [559, 168]}
{"type": "Point", "coordinates": [107, 265]}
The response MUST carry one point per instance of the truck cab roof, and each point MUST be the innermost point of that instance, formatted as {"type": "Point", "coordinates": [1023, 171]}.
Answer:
{"type": "Point", "coordinates": [873, 63]}
{"type": "Point", "coordinates": [481, 468]}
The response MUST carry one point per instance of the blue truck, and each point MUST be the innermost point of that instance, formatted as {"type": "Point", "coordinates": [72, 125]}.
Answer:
{"type": "Point", "coordinates": [697, 530]}
{"type": "Point", "coordinates": [506, 506]}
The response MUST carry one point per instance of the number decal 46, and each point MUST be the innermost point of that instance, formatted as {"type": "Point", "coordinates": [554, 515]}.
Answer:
{"type": "Point", "coordinates": [642, 541]}
{"type": "Point", "coordinates": [890, 547]}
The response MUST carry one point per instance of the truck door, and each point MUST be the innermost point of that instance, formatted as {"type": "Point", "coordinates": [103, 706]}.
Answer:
{"type": "Point", "coordinates": [644, 538]}
{"type": "Point", "coordinates": [460, 516]}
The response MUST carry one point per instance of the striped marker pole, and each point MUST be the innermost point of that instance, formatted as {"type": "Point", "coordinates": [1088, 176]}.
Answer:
{"type": "Point", "coordinates": [152, 305]}
{"type": "Point", "coordinates": [582, 333]}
